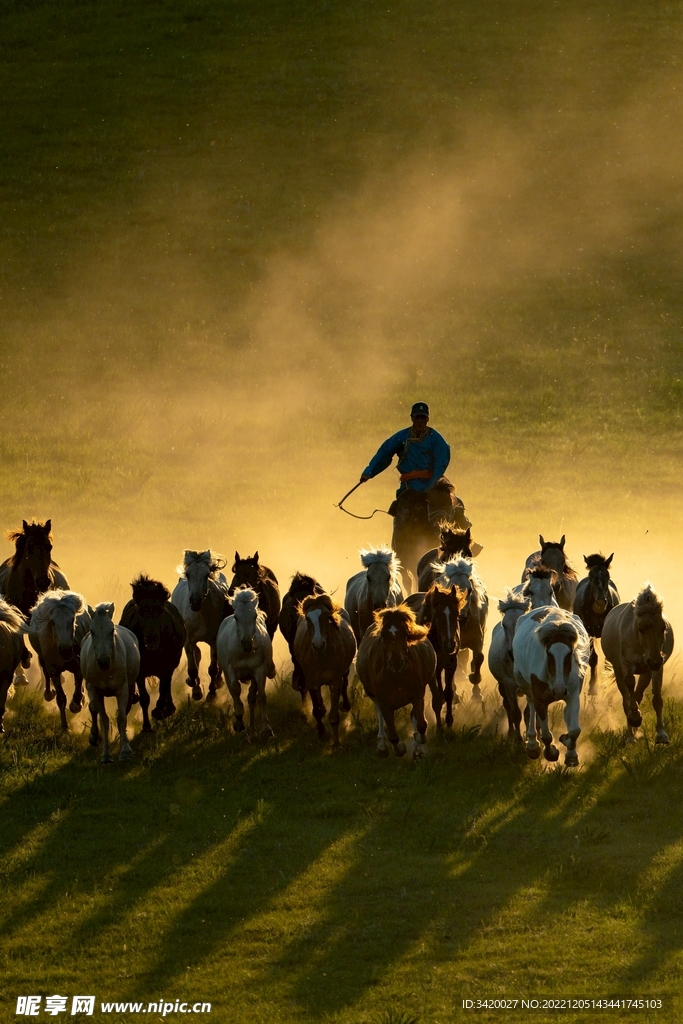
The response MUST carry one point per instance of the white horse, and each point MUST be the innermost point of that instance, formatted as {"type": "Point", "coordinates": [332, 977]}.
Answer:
{"type": "Point", "coordinates": [551, 651]}
{"type": "Point", "coordinates": [110, 662]}
{"type": "Point", "coordinates": [377, 586]}
{"type": "Point", "coordinates": [245, 654]}
{"type": "Point", "coordinates": [461, 572]}
{"type": "Point", "coordinates": [60, 622]}
{"type": "Point", "coordinates": [200, 596]}
{"type": "Point", "coordinates": [13, 651]}
{"type": "Point", "coordinates": [501, 664]}
{"type": "Point", "coordinates": [539, 588]}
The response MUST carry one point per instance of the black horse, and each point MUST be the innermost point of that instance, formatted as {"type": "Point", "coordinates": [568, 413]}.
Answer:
{"type": "Point", "coordinates": [418, 519]}
{"type": "Point", "coordinates": [302, 586]}
{"type": "Point", "coordinates": [596, 595]}
{"type": "Point", "coordinates": [249, 572]}
{"type": "Point", "coordinates": [160, 630]}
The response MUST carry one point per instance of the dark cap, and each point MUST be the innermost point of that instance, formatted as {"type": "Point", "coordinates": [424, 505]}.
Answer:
{"type": "Point", "coordinates": [420, 409]}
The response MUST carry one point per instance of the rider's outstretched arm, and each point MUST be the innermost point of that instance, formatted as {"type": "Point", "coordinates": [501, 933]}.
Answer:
{"type": "Point", "coordinates": [382, 459]}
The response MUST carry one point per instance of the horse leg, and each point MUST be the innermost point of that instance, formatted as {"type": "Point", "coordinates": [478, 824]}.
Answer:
{"type": "Point", "coordinates": [475, 670]}
{"type": "Point", "coordinates": [419, 723]}
{"type": "Point", "coordinates": [550, 751]}
{"type": "Point", "coordinates": [626, 682]}
{"type": "Point", "coordinates": [104, 725]}
{"type": "Point", "coordinates": [194, 657]}
{"type": "Point", "coordinates": [450, 692]}
{"type": "Point", "coordinates": [346, 703]}
{"type": "Point", "coordinates": [533, 747]}
{"type": "Point", "coordinates": [144, 702]}
{"type": "Point", "coordinates": [94, 708]}
{"type": "Point", "coordinates": [266, 728]}
{"type": "Point", "coordinates": [165, 703]}
{"type": "Point", "coordinates": [235, 688]}
{"type": "Point", "coordinates": [399, 748]}
{"type": "Point", "coordinates": [382, 748]}
{"type": "Point", "coordinates": [5, 683]}
{"type": "Point", "coordinates": [20, 677]}
{"type": "Point", "coordinates": [61, 701]}
{"type": "Point", "coordinates": [593, 662]}
{"type": "Point", "coordinates": [335, 693]}
{"type": "Point", "coordinates": [319, 712]}
{"type": "Point", "coordinates": [215, 681]}
{"type": "Point", "coordinates": [77, 700]}
{"type": "Point", "coordinates": [48, 693]}
{"type": "Point", "coordinates": [571, 719]}
{"type": "Point", "coordinates": [437, 695]}
{"type": "Point", "coordinates": [251, 701]}
{"type": "Point", "coordinates": [126, 751]}
{"type": "Point", "coordinates": [657, 704]}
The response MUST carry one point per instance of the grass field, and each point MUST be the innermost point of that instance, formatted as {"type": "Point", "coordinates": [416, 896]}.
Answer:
{"type": "Point", "coordinates": [237, 241]}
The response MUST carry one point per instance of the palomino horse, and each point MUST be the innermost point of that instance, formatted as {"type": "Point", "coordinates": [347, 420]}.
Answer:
{"type": "Point", "coordinates": [376, 586]}
{"type": "Point", "coordinates": [59, 624]}
{"type": "Point", "coordinates": [539, 588]}
{"type": "Point", "coordinates": [552, 556]}
{"type": "Point", "coordinates": [418, 519]}
{"type": "Point", "coordinates": [461, 572]}
{"type": "Point", "coordinates": [395, 664]}
{"type": "Point", "coordinates": [245, 654]}
{"type": "Point", "coordinates": [550, 651]}
{"type": "Point", "coordinates": [201, 597]}
{"type": "Point", "coordinates": [638, 640]}
{"type": "Point", "coordinates": [324, 647]}
{"type": "Point", "coordinates": [501, 664]}
{"type": "Point", "coordinates": [452, 544]}
{"type": "Point", "coordinates": [110, 662]}
{"type": "Point", "coordinates": [160, 632]}
{"type": "Point", "coordinates": [12, 651]}
{"type": "Point", "coordinates": [248, 572]}
{"type": "Point", "coordinates": [301, 587]}
{"type": "Point", "coordinates": [444, 612]}
{"type": "Point", "coordinates": [596, 595]}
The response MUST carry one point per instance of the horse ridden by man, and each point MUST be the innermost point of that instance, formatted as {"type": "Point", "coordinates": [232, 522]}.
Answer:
{"type": "Point", "coordinates": [426, 499]}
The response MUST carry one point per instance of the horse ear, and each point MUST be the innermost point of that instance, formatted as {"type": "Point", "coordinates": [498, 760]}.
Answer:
{"type": "Point", "coordinates": [48, 525]}
{"type": "Point", "coordinates": [256, 556]}
{"type": "Point", "coordinates": [237, 559]}
{"type": "Point", "coordinates": [540, 537]}
{"type": "Point", "coordinates": [110, 610]}
{"type": "Point", "coordinates": [468, 533]}
{"type": "Point", "coordinates": [585, 560]}
{"type": "Point", "coordinates": [608, 561]}
{"type": "Point", "coordinates": [562, 542]}
{"type": "Point", "coordinates": [24, 525]}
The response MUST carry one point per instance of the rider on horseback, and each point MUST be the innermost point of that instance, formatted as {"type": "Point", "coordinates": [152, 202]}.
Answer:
{"type": "Point", "coordinates": [423, 454]}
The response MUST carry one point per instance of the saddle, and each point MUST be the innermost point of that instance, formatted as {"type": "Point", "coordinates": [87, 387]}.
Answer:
{"type": "Point", "coordinates": [437, 504]}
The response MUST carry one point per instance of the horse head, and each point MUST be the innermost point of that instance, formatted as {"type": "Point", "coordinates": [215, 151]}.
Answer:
{"type": "Point", "coordinates": [444, 608]}
{"type": "Point", "coordinates": [599, 581]}
{"type": "Point", "coordinates": [102, 631]}
{"type": "Point", "coordinates": [398, 630]}
{"type": "Point", "coordinates": [453, 541]}
{"type": "Point", "coordinates": [321, 615]}
{"type": "Point", "coordinates": [512, 608]}
{"type": "Point", "coordinates": [651, 626]}
{"type": "Point", "coordinates": [56, 611]}
{"type": "Point", "coordinates": [246, 613]}
{"type": "Point", "coordinates": [198, 568]}
{"type": "Point", "coordinates": [540, 586]}
{"type": "Point", "coordinates": [150, 597]}
{"type": "Point", "coordinates": [381, 574]}
{"type": "Point", "coordinates": [33, 550]}
{"type": "Point", "coordinates": [246, 571]}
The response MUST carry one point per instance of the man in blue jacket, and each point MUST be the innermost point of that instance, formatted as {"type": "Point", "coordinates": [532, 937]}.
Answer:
{"type": "Point", "coordinates": [423, 454]}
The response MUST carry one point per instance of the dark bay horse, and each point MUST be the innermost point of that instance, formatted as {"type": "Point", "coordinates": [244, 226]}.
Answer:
{"type": "Point", "coordinates": [248, 572]}
{"type": "Point", "coordinates": [418, 519]}
{"type": "Point", "coordinates": [161, 636]}
{"type": "Point", "coordinates": [325, 648]}
{"type": "Point", "coordinates": [444, 610]}
{"type": "Point", "coordinates": [637, 640]}
{"type": "Point", "coordinates": [30, 571]}
{"type": "Point", "coordinates": [301, 587]}
{"type": "Point", "coordinates": [553, 557]}
{"type": "Point", "coordinates": [395, 664]}
{"type": "Point", "coordinates": [453, 543]}
{"type": "Point", "coordinates": [12, 650]}
{"type": "Point", "coordinates": [596, 596]}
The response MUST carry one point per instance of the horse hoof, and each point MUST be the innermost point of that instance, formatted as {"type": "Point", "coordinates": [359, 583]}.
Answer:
{"type": "Point", "coordinates": [635, 720]}
{"type": "Point", "coordinates": [571, 759]}
{"type": "Point", "coordinates": [383, 752]}
{"type": "Point", "coordinates": [593, 690]}
{"type": "Point", "coordinates": [135, 699]}
{"type": "Point", "coordinates": [661, 736]}
{"type": "Point", "coordinates": [534, 752]}
{"type": "Point", "coordinates": [449, 721]}
{"type": "Point", "coordinates": [93, 740]}
{"type": "Point", "coordinates": [49, 695]}
{"type": "Point", "coordinates": [420, 737]}
{"type": "Point", "coordinates": [189, 682]}
{"type": "Point", "coordinates": [197, 692]}
{"type": "Point", "coordinates": [399, 749]}
{"type": "Point", "coordinates": [323, 735]}
{"type": "Point", "coordinates": [158, 713]}
{"type": "Point", "coordinates": [75, 706]}
{"type": "Point", "coordinates": [107, 759]}
{"type": "Point", "coordinates": [211, 695]}
{"type": "Point", "coordinates": [476, 693]}
{"type": "Point", "coordinates": [266, 732]}
{"type": "Point", "coordinates": [125, 755]}
{"type": "Point", "coordinates": [147, 727]}
{"type": "Point", "coordinates": [238, 724]}
{"type": "Point", "coordinates": [169, 710]}
{"type": "Point", "coordinates": [551, 753]}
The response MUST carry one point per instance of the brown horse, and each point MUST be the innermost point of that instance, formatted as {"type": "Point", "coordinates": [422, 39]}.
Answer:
{"type": "Point", "coordinates": [30, 571]}
{"type": "Point", "coordinates": [13, 650]}
{"type": "Point", "coordinates": [596, 596]}
{"type": "Point", "coordinates": [553, 557]}
{"type": "Point", "coordinates": [301, 587]}
{"type": "Point", "coordinates": [418, 519]}
{"type": "Point", "coordinates": [453, 543]}
{"type": "Point", "coordinates": [444, 610]}
{"type": "Point", "coordinates": [248, 572]}
{"type": "Point", "coordinates": [395, 664]}
{"type": "Point", "coordinates": [324, 648]}
{"type": "Point", "coordinates": [638, 640]}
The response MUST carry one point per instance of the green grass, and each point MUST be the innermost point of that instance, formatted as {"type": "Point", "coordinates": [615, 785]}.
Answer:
{"type": "Point", "coordinates": [282, 881]}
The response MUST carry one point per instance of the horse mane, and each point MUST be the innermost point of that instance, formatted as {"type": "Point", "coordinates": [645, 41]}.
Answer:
{"type": "Point", "coordinates": [11, 616]}
{"type": "Point", "coordinates": [648, 604]}
{"type": "Point", "coordinates": [444, 484]}
{"type": "Point", "coordinates": [19, 538]}
{"type": "Point", "coordinates": [384, 555]}
{"type": "Point", "coordinates": [404, 618]}
{"type": "Point", "coordinates": [146, 589]}
{"type": "Point", "coordinates": [596, 559]}
{"type": "Point", "coordinates": [461, 567]}
{"type": "Point", "coordinates": [245, 595]}
{"type": "Point", "coordinates": [513, 603]}
{"type": "Point", "coordinates": [47, 602]}
{"type": "Point", "coordinates": [541, 572]}
{"type": "Point", "coordinates": [301, 581]}
{"type": "Point", "coordinates": [211, 558]}
{"type": "Point", "coordinates": [321, 601]}
{"type": "Point", "coordinates": [552, 631]}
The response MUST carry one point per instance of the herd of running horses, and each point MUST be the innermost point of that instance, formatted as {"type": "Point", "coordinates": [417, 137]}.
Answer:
{"type": "Point", "coordinates": [541, 650]}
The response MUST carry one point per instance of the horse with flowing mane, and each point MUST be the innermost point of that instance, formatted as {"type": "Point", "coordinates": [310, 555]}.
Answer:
{"type": "Point", "coordinates": [453, 543]}
{"type": "Point", "coordinates": [248, 572]}
{"type": "Point", "coordinates": [59, 624]}
{"type": "Point", "coordinates": [395, 664]}
{"type": "Point", "coordinates": [596, 596]}
{"type": "Point", "coordinates": [445, 612]}
{"type": "Point", "coordinates": [501, 663]}
{"type": "Point", "coordinates": [110, 662]}
{"type": "Point", "coordinates": [376, 586]}
{"type": "Point", "coordinates": [13, 651]}
{"type": "Point", "coordinates": [638, 640]}
{"type": "Point", "coordinates": [324, 647]}
{"type": "Point", "coordinates": [301, 587]}
{"type": "Point", "coordinates": [30, 571]}
{"type": "Point", "coordinates": [419, 517]}
{"type": "Point", "coordinates": [550, 652]}
{"type": "Point", "coordinates": [201, 597]}
{"type": "Point", "coordinates": [552, 556]}
{"type": "Point", "coordinates": [538, 588]}
{"type": "Point", "coordinates": [245, 654]}
{"type": "Point", "coordinates": [462, 573]}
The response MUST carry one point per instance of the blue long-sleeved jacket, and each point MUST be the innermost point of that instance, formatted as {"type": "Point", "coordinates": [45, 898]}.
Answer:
{"type": "Point", "coordinates": [430, 452]}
